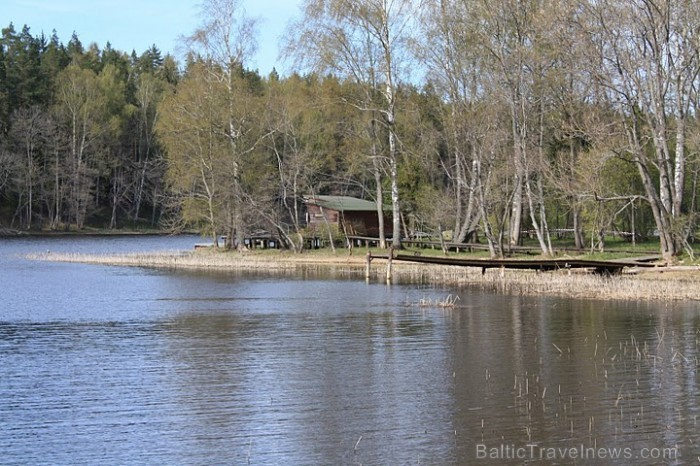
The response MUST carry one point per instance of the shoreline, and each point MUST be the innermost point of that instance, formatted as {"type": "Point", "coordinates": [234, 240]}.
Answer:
{"type": "Point", "coordinates": [663, 284]}
{"type": "Point", "coordinates": [60, 233]}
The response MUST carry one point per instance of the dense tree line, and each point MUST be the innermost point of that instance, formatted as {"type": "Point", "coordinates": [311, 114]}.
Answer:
{"type": "Point", "coordinates": [76, 133]}
{"type": "Point", "coordinates": [484, 118]}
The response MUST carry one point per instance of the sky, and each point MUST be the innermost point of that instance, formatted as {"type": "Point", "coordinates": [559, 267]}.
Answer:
{"type": "Point", "coordinates": [138, 24]}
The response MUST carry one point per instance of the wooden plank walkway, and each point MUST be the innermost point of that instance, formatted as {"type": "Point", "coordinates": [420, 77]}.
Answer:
{"type": "Point", "coordinates": [610, 267]}
{"type": "Point", "coordinates": [471, 247]}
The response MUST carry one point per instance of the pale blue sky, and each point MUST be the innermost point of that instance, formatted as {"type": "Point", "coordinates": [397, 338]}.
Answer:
{"type": "Point", "coordinates": [137, 24]}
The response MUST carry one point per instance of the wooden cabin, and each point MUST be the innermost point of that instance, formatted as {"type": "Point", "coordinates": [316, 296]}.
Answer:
{"type": "Point", "coordinates": [351, 215]}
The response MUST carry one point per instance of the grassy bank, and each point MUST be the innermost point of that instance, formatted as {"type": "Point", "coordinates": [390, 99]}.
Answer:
{"type": "Point", "coordinates": [663, 283]}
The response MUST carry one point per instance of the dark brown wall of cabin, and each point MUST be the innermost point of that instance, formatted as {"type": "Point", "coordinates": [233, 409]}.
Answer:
{"type": "Point", "coordinates": [362, 223]}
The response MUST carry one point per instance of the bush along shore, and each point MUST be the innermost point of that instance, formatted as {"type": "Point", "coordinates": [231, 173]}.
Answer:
{"type": "Point", "coordinates": [662, 283]}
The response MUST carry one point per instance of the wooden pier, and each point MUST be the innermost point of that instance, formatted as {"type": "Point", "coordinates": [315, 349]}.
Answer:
{"type": "Point", "coordinates": [606, 267]}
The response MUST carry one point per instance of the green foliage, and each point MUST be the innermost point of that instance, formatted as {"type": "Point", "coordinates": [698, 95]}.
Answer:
{"type": "Point", "coordinates": [78, 171]}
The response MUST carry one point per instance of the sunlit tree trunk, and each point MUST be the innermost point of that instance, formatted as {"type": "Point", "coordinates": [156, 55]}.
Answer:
{"type": "Point", "coordinates": [365, 41]}
{"type": "Point", "coordinates": [649, 65]}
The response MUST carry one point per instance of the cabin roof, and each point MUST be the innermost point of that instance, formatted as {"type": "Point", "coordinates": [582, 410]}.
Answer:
{"type": "Point", "coordinates": [342, 203]}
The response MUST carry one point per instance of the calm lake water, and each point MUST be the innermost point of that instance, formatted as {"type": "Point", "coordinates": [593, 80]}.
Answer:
{"type": "Point", "coordinates": [117, 365]}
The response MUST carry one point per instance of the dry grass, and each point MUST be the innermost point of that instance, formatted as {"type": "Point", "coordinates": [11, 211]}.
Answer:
{"type": "Point", "coordinates": [669, 284]}
{"type": "Point", "coordinates": [447, 302]}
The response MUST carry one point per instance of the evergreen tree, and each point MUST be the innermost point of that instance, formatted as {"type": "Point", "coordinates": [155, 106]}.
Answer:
{"type": "Point", "coordinates": [54, 58]}
{"type": "Point", "coordinates": [75, 48]}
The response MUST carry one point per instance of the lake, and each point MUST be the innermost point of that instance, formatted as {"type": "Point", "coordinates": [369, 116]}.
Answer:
{"type": "Point", "coordinates": [122, 365]}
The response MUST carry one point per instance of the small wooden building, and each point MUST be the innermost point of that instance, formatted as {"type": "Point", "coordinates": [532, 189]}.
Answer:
{"type": "Point", "coordinates": [351, 215]}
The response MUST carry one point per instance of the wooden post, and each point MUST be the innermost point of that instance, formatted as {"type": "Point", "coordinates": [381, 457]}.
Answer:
{"type": "Point", "coordinates": [367, 265]}
{"type": "Point", "coordinates": [388, 264]}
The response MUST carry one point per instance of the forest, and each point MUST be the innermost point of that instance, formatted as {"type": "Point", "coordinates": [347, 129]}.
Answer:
{"type": "Point", "coordinates": [489, 120]}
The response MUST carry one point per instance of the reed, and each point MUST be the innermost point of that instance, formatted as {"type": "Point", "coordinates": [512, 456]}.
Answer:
{"type": "Point", "coordinates": [354, 450]}
{"type": "Point", "coordinates": [643, 286]}
{"type": "Point", "coordinates": [447, 302]}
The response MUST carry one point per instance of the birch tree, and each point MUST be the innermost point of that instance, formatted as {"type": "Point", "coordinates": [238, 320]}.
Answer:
{"type": "Point", "coordinates": [302, 119]}
{"type": "Point", "coordinates": [455, 59]}
{"type": "Point", "coordinates": [364, 41]}
{"type": "Point", "coordinates": [223, 44]}
{"type": "Point", "coordinates": [78, 106]}
{"type": "Point", "coordinates": [190, 130]}
{"type": "Point", "coordinates": [514, 34]}
{"type": "Point", "coordinates": [149, 92]}
{"type": "Point", "coordinates": [647, 57]}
